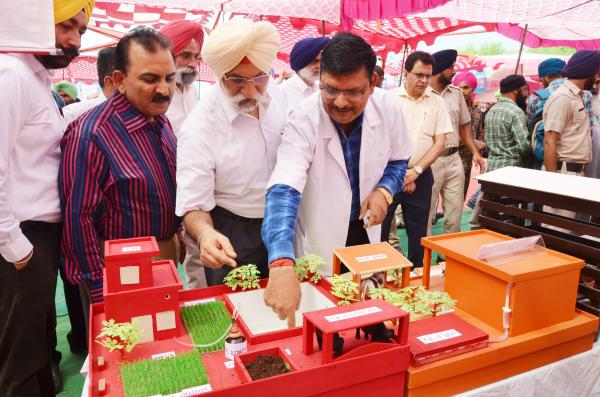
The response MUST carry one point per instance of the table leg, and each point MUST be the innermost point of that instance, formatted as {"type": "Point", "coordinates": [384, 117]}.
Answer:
{"type": "Point", "coordinates": [337, 265]}
{"type": "Point", "coordinates": [405, 277]}
{"type": "Point", "coordinates": [327, 351]}
{"type": "Point", "coordinates": [307, 337]}
{"type": "Point", "coordinates": [426, 266]}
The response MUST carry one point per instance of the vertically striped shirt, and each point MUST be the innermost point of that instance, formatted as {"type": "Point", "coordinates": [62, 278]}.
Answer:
{"type": "Point", "coordinates": [116, 180]}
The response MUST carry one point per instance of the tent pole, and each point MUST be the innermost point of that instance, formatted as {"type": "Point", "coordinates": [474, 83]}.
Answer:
{"type": "Point", "coordinates": [521, 49]}
{"type": "Point", "coordinates": [323, 27]}
{"type": "Point", "coordinates": [403, 59]}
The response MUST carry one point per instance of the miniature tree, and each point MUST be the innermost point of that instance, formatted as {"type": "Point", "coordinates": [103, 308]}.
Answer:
{"type": "Point", "coordinates": [119, 336]}
{"type": "Point", "coordinates": [345, 289]}
{"type": "Point", "coordinates": [396, 274]}
{"type": "Point", "coordinates": [307, 267]}
{"type": "Point", "coordinates": [440, 302]}
{"type": "Point", "coordinates": [243, 277]}
{"type": "Point", "coordinates": [417, 301]}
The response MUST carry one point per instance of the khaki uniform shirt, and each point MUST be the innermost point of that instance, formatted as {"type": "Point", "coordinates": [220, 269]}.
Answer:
{"type": "Point", "coordinates": [424, 117]}
{"type": "Point", "coordinates": [459, 112]}
{"type": "Point", "coordinates": [565, 113]}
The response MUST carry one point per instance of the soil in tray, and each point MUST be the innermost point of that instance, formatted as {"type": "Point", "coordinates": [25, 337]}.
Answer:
{"type": "Point", "coordinates": [267, 366]}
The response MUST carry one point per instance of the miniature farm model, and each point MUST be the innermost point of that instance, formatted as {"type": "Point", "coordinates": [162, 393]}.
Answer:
{"type": "Point", "coordinates": [354, 336]}
{"type": "Point", "coordinates": [206, 351]}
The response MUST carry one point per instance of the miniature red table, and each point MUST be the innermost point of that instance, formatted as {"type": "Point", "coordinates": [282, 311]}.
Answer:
{"type": "Point", "coordinates": [343, 318]}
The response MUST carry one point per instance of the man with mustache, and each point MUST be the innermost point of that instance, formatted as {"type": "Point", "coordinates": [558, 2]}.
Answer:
{"type": "Point", "coordinates": [567, 138]}
{"type": "Point", "coordinates": [448, 172]}
{"type": "Point", "coordinates": [342, 159]}
{"type": "Point", "coordinates": [428, 122]}
{"type": "Point", "coordinates": [305, 58]}
{"type": "Point", "coordinates": [227, 149]}
{"type": "Point", "coordinates": [117, 174]}
{"type": "Point", "coordinates": [186, 42]}
{"type": "Point", "coordinates": [29, 207]}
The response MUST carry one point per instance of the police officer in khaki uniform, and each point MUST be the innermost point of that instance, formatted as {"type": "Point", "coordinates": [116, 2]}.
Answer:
{"type": "Point", "coordinates": [568, 139]}
{"type": "Point", "coordinates": [448, 172]}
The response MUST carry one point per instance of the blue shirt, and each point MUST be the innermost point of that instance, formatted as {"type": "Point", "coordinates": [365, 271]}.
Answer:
{"type": "Point", "coordinates": [351, 148]}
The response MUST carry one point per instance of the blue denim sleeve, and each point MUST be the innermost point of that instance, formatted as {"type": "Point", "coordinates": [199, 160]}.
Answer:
{"type": "Point", "coordinates": [393, 176]}
{"type": "Point", "coordinates": [279, 223]}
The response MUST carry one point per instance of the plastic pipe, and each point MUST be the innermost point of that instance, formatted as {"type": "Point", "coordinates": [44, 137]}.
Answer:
{"type": "Point", "coordinates": [505, 317]}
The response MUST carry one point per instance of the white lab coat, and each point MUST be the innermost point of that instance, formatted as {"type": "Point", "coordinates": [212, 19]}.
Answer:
{"type": "Point", "coordinates": [310, 159]}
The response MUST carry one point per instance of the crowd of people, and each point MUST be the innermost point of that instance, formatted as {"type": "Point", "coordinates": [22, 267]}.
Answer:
{"type": "Point", "coordinates": [252, 171]}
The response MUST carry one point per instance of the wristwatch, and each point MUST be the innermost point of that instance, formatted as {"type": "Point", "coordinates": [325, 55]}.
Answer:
{"type": "Point", "coordinates": [418, 169]}
{"type": "Point", "coordinates": [386, 194]}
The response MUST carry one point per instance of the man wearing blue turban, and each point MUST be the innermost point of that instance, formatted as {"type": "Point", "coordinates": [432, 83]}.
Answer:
{"type": "Point", "coordinates": [549, 74]}
{"type": "Point", "coordinates": [304, 60]}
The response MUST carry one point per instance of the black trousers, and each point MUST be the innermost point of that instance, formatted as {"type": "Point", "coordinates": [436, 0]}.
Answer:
{"type": "Point", "coordinates": [415, 210]}
{"type": "Point", "coordinates": [27, 315]}
{"type": "Point", "coordinates": [244, 235]}
{"type": "Point", "coordinates": [77, 336]}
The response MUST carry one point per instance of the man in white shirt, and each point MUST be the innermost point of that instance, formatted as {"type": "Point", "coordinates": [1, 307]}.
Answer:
{"type": "Point", "coordinates": [29, 206]}
{"type": "Point", "coordinates": [428, 122]}
{"type": "Point", "coordinates": [186, 41]}
{"type": "Point", "coordinates": [105, 64]}
{"type": "Point", "coordinates": [304, 60]}
{"type": "Point", "coordinates": [227, 149]}
{"type": "Point", "coordinates": [342, 158]}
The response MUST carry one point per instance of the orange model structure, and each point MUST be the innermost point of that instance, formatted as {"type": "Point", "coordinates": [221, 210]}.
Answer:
{"type": "Point", "coordinates": [367, 259]}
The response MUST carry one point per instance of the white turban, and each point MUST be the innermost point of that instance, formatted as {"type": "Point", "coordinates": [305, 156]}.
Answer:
{"type": "Point", "coordinates": [237, 39]}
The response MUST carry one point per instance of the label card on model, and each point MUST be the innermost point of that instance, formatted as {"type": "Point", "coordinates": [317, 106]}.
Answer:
{"type": "Point", "coordinates": [369, 258]}
{"type": "Point", "coordinates": [133, 248]}
{"type": "Point", "coordinates": [352, 314]}
{"type": "Point", "coordinates": [439, 336]}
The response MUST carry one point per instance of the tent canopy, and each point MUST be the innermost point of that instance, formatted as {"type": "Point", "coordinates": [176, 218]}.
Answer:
{"type": "Point", "coordinates": [549, 22]}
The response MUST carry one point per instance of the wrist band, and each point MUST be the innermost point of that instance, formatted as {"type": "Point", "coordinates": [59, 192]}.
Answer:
{"type": "Point", "coordinates": [386, 194]}
{"type": "Point", "coordinates": [281, 262]}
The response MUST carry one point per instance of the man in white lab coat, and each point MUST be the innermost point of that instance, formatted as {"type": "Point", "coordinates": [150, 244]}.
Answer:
{"type": "Point", "coordinates": [342, 158]}
{"type": "Point", "coordinates": [304, 60]}
{"type": "Point", "coordinates": [227, 150]}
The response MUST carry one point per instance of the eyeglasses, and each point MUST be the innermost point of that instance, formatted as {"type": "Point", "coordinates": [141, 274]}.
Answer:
{"type": "Point", "coordinates": [242, 81]}
{"type": "Point", "coordinates": [421, 76]}
{"type": "Point", "coordinates": [331, 93]}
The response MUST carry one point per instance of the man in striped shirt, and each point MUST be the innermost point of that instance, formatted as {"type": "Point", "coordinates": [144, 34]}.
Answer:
{"type": "Point", "coordinates": [117, 174]}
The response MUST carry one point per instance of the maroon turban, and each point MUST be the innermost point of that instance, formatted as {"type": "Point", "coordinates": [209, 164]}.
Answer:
{"type": "Point", "coordinates": [181, 33]}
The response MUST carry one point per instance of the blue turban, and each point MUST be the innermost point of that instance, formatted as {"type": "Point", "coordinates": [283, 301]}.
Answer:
{"type": "Point", "coordinates": [550, 66]}
{"type": "Point", "coordinates": [584, 64]}
{"type": "Point", "coordinates": [443, 60]}
{"type": "Point", "coordinates": [306, 50]}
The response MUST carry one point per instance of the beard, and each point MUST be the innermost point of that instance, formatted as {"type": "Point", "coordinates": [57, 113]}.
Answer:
{"type": "Point", "coordinates": [307, 75]}
{"type": "Point", "coordinates": [247, 105]}
{"type": "Point", "coordinates": [445, 81]}
{"type": "Point", "coordinates": [58, 61]}
{"type": "Point", "coordinates": [589, 83]}
{"type": "Point", "coordinates": [186, 75]}
{"type": "Point", "coordinates": [522, 102]}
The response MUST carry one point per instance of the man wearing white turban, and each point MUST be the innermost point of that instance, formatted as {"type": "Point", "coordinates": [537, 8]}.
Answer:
{"type": "Point", "coordinates": [30, 208]}
{"type": "Point", "coordinates": [227, 149]}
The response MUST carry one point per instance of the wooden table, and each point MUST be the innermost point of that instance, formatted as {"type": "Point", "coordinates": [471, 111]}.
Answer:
{"type": "Point", "coordinates": [515, 202]}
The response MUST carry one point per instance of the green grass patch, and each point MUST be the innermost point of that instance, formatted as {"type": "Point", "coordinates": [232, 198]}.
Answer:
{"type": "Point", "coordinates": [165, 376]}
{"type": "Point", "coordinates": [206, 323]}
